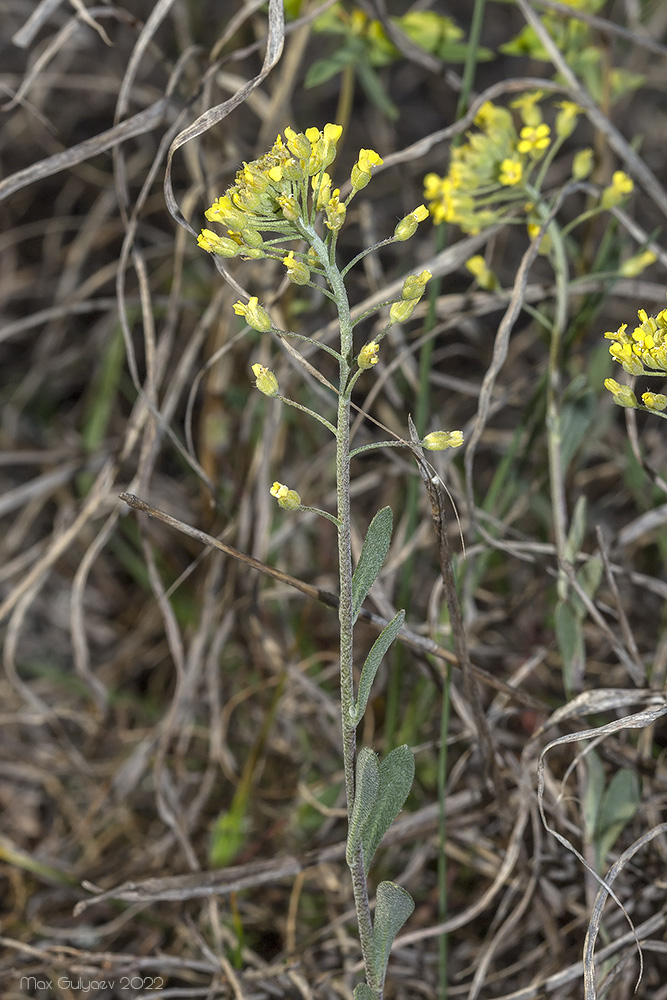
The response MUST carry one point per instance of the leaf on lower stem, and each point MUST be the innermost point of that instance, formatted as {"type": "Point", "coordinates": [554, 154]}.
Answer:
{"type": "Point", "coordinates": [393, 906]}
{"type": "Point", "coordinates": [362, 991]}
{"type": "Point", "coordinates": [373, 661]}
{"type": "Point", "coordinates": [373, 553]}
{"type": "Point", "coordinates": [365, 795]}
{"type": "Point", "coordinates": [396, 773]}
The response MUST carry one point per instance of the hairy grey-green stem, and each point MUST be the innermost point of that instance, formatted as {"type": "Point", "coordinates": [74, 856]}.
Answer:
{"type": "Point", "coordinates": [346, 623]}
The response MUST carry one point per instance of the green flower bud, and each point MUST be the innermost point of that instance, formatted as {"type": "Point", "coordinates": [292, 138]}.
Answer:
{"type": "Point", "coordinates": [402, 310]}
{"type": "Point", "coordinates": [635, 265]}
{"type": "Point", "coordinates": [297, 271]}
{"type": "Point", "coordinates": [566, 119]}
{"type": "Point", "coordinates": [223, 211]}
{"type": "Point", "coordinates": [368, 355]}
{"type": "Point", "coordinates": [407, 227]}
{"type": "Point", "coordinates": [335, 212]}
{"type": "Point", "coordinates": [290, 208]}
{"type": "Point", "coordinates": [414, 285]}
{"type": "Point", "coordinates": [288, 499]}
{"type": "Point", "coordinates": [621, 186]}
{"type": "Point", "coordinates": [220, 245]}
{"type": "Point", "coordinates": [265, 380]}
{"type": "Point", "coordinates": [440, 440]}
{"type": "Point", "coordinates": [623, 394]}
{"type": "Point", "coordinates": [251, 238]}
{"type": "Point", "coordinates": [297, 143]}
{"type": "Point", "coordinates": [255, 316]}
{"type": "Point", "coordinates": [582, 164]}
{"type": "Point", "coordinates": [654, 400]}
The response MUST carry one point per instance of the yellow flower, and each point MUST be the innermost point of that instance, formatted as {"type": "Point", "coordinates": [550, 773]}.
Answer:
{"type": "Point", "coordinates": [483, 275]}
{"type": "Point", "coordinates": [440, 440]}
{"type": "Point", "coordinates": [511, 172]}
{"type": "Point", "coordinates": [335, 211]}
{"type": "Point", "coordinates": [255, 316]}
{"type": "Point", "coordinates": [287, 498]}
{"type": "Point", "coordinates": [361, 171]}
{"type": "Point", "coordinates": [368, 355]}
{"type": "Point", "coordinates": [533, 139]}
{"type": "Point", "coordinates": [265, 380]}
{"type": "Point", "coordinates": [621, 185]}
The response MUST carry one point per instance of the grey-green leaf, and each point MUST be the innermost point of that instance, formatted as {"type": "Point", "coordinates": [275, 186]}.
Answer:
{"type": "Point", "coordinates": [373, 661]}
{"type": "Point", "coordinates": [393, 906]}
{"type": "Point", "coordinates": [617, 808]}
{"type": "Point", "coordinates": [365, 795]}
{"type": "Point", "coordinates": [396, 772]}
{"type": "Point", "coordinates": [373, 553]}
{"type": "Point", "coordinates": [363, 992]}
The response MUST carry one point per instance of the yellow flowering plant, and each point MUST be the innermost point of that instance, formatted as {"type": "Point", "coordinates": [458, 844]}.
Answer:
{"type": "Point", "coordinates": [286, 197]}
{"type": "Point", "coordinates": [640, 353]}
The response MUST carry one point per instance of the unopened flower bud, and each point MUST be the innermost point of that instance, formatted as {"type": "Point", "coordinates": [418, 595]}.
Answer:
{"type": "Point", "coordinates": [265, 380]}
{"type": "Point", "coordinates": [484, 276]}
{"type": "Point", "coordinates": [621, 185]}
{"type": "Point", "coordinates": [582, 164]}
{"type": "Point", "coordinates": [290, 208]}
{"type": "Point", "coordinates": [566, 119]}
{"type": "Point", "coordinates": [402, 310]}
{"type": "Point", "coordinates": [297, 143]}
{"type": "Point", "coordinates": [255, 315]}
{"type": "Point", "coordinates": [220, 245]}
{"type": "Point", "coordinates": [288, 499]}
{"type": "Point", "coordinates": [440, 440]}
{"type": "Point", "coordinates": [297, 271]}
{"type": "Point", "coordinates": [414, 285]}
{"type": "Point", "coordinates": [361, 171]}
{"type": "Point", "coordinates": [654, 400]}
{"type": "Point", "coordinates": [635, 265]}
{"type": "Point", "coordinates": [368, 355]}
{"type": "Point", "coordinates": [623, 394]}
{"type": "Point", "coordinates": [335, 211]}
{"type": "Point", "coordinates": [407, 227]}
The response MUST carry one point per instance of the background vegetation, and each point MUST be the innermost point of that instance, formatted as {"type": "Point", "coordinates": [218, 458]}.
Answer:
{"type": "Point", "coordinates": [170, 777]}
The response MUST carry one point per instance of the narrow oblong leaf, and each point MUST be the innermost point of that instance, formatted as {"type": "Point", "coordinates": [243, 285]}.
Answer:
{"type": "Point", "coordinates": [373, 661]}
{"type": "Point", "coordinates": [617, 808]}
{"type": "Point", "coordinates": [365, 795]}
{"type": "Point", "coordinates": [393, 906]}
{"type": "Point", "coordinates": [395, 776]}
{"type": "Point", "coordinates": [373, 553]}
{"type": "Point", "coordinates": [362, 991]}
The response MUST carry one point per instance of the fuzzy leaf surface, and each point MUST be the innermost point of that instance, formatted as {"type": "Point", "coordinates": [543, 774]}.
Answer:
{"type": "Point", "coordinates": [365, 796]}
{"type": "Point", "coordinates": [396, 772]}
{"type": "Point", "coordinates": [373, 553]}
{"type": "Point", "coordinates": [393, 906]}
{"type": "Point", "coordinates": [373, 661]}
{"type": "Point", "coordinates": [363, 992]}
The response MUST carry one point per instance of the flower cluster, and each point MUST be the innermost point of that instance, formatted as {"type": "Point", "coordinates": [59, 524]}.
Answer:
{"type": "Point", "coordinates": [272, 193]}
{"type": "Point", "coordinates": [645, 348]}
{"type": "Point", "coordinates": [642, 352]}
{"type": "Point", "coordinates": [494, 166]}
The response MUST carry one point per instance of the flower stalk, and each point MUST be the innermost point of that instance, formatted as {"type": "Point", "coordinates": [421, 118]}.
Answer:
{"type": "Point", "coordinates": [287, 191]}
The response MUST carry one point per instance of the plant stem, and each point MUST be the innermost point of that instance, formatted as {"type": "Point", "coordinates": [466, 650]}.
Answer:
{"type": "Point", "coordinates": [345, 617]}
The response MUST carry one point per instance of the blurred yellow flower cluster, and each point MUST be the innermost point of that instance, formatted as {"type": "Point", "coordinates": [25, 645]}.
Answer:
{"type": "Point", "coordinates": [495, 164]}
